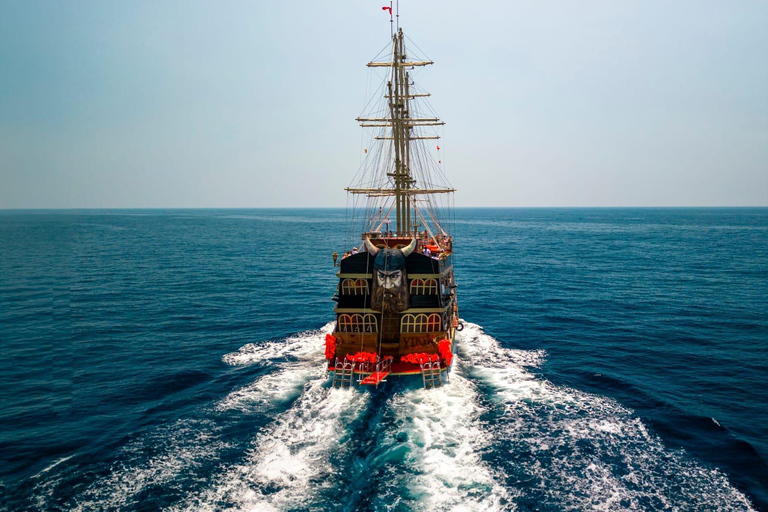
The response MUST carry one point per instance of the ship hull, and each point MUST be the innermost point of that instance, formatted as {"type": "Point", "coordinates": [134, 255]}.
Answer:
{"type": "Point", "coordinates": [396, 318]}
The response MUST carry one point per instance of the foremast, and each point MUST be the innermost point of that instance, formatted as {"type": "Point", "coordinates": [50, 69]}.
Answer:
{"type": "Point", "coordinates": [402, 129]}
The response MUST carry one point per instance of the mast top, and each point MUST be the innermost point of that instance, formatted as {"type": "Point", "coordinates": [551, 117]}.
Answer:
{"type": "Point", "coordinates": [394, 21]}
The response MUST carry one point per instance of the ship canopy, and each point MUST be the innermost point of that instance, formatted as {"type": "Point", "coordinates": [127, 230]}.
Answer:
{"type": "Point", "coordinates": [400, 186]}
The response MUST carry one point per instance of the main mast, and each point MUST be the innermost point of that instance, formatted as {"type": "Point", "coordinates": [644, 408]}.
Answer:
{"type": "Point", "coordinates": [398, 95]}
{"type": "Point", "coordinates": [398, 108]}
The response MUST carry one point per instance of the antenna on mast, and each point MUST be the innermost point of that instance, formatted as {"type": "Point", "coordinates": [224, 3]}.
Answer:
{"type": "Point", "coordinates": [391, 21]}
{"type": "Point", "coordinates": [397, 14]}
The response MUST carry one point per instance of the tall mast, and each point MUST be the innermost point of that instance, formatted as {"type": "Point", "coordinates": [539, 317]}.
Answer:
{"type": "Point", "coordinates": [398, 101]}
{"type": "Point", "coordinates": [402, 186]}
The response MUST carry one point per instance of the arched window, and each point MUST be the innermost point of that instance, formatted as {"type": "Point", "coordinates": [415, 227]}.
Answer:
{"type": "Point", "coordinates": [345, 323]}
{"type": "Point", "coordinates": [424, 287]}
{"type": "Point", "coordinates": [408, 323]}
{"type": "Point", "coordinates": [369, 323]}
{"type": "Point", "coordinates": [420, 323]}
{"type": "Point", "coordinates": [433, 323]}
{"type": "Point", "coordinates": [358, 323]}
{"type": "Point", "coordinates": [413, 323]}
{"type": "Point", "coordinates": [354, 287]}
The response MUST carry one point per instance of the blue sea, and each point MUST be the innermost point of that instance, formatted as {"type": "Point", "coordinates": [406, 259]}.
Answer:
{"type": "Point", "coordinates": [612, 359]}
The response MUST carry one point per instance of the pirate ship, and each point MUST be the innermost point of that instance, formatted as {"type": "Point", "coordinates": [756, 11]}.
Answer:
{"type": "Point", "coordinates": [396, 311]}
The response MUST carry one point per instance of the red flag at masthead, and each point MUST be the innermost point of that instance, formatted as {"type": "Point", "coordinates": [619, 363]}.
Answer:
{"type": "Point", "coordinates": [387, 9]}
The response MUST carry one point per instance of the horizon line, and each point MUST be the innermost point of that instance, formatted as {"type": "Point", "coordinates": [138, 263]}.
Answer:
{"type": "Point", "coordinates": [345, 208]}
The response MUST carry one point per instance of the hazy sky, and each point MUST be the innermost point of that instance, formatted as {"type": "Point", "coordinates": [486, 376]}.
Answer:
{"type": "Point", "coordinates": [252, 104]}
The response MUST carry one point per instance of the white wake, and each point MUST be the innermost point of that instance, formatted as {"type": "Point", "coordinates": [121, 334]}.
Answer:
{"type": "Point", "coordinates": [577, 451]}
{"type": "Point", "coordinates": [495, 438]}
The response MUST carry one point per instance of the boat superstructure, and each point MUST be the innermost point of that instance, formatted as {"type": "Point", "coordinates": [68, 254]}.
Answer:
{"type": "Point", "coordinates": [396, 311]}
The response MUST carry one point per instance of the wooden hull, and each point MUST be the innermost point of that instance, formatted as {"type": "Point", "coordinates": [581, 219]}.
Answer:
{"type": "Point", "coordinates": [418, 324]}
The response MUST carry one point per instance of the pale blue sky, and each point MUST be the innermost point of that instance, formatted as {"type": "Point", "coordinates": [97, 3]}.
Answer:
{"type": "Point", "coordinates": [252, 104]}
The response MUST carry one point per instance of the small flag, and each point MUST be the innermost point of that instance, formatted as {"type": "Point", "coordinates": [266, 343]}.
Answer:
{"type": "Point", "coordinates": [387, 9]}
{"type": "Point", "coordinates": [438, 148]}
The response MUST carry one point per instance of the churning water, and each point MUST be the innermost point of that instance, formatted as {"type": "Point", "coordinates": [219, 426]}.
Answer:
{"type": "Point", "coordinates": [613, 359]}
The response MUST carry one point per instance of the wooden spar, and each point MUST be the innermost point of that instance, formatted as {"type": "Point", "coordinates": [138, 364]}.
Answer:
{"type": "Point", "coordinates": [411, 138]}
{"type": "Point", "coordinates": [381, 192]}
{"type": "Point", "coordinates": [399, 64]}
{"type": "Point", "coordinates": [411, 96]}
{"type": "Point", "coordinates": [406, 122]}
{"type": "Point", "coordinates": [388, 120]}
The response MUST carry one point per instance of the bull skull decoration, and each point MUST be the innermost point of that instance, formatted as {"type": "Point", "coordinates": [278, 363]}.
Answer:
{"type": "Point", "coordinates": [390, 290]}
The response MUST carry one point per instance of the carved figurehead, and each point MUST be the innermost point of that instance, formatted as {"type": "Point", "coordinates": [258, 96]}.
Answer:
{"type": "Point", "coordinates": [390, 284]}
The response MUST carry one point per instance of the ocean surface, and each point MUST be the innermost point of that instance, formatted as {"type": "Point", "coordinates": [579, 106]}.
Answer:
{"type": "Point", "coordinates": [613, 359]}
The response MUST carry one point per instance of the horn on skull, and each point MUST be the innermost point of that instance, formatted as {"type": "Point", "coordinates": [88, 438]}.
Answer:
{"type": "Point", "coordinates": [409, 249]}
{"type": "Point", "coordinates": [371, 248]}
